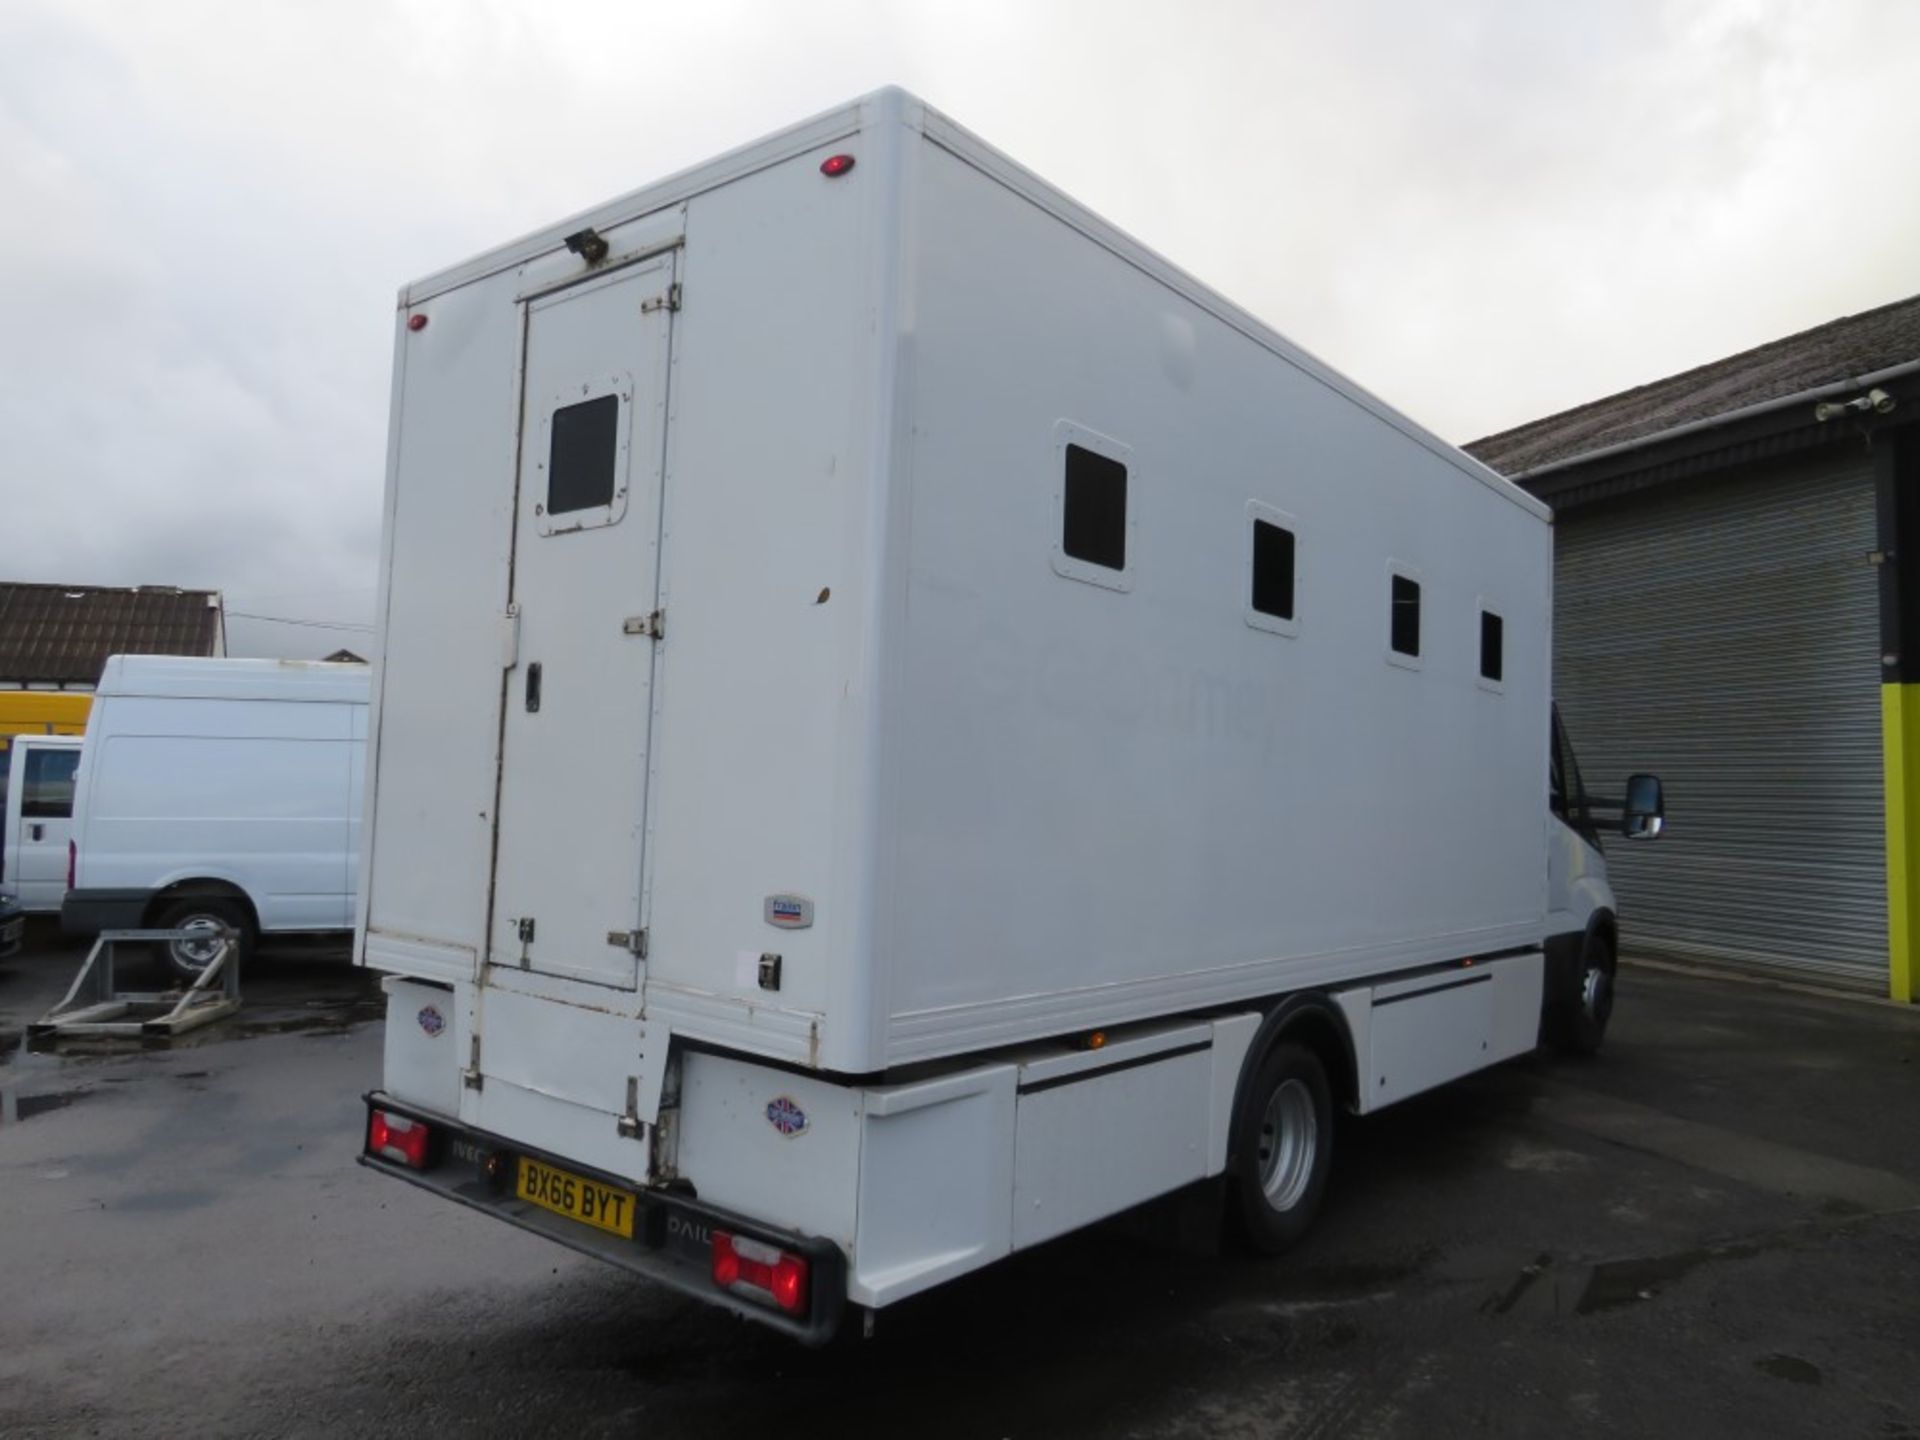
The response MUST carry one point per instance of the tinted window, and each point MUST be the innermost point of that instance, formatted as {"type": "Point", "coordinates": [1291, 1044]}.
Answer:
{"type": "Point", "coordinates": [1492, 662]}
{"type": "Point", "coordinates": [582, 460]}
{"type": "Point", "coordinates": [1094, 527]}
{"type": "Point", "coordinates": [1405, 632]}
{"type": "Point", "coordinates": [1272, 570]}
{"type": "Point", "coordinates": [46, 788]}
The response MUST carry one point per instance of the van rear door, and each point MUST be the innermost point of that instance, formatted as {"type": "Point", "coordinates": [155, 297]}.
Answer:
{"type": "Point", "coordinates": [571, 820]}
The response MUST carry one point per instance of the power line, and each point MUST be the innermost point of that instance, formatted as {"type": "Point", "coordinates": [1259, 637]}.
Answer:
{"type": "Point", "coordinates": [310, 624]}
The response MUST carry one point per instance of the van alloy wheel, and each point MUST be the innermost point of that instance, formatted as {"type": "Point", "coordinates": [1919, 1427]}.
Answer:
{"type": "Point", "coordinates": [1596, 993]}
{"type": "Point", "coordinates": [1289, 1139]}
{"type": "Point", "coordinates": [1282, 1146]}
{"type": "Point", "coordinates": [199, 952]}
{"type": "Point", "coordinates": [187, 958]}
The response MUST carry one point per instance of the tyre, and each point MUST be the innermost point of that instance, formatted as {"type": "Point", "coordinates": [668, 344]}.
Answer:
{"type": "Point", "coordinates": [1580, 1024]}
{"type": "Point", "coordinates": [1282, 1148]}
{"type": "Point", "coordinates": [185, 959]}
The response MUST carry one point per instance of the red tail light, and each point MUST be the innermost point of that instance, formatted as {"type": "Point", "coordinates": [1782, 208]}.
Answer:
{"type": "Point", "coordinates": [73, 861]}
{"type": "Point", "coordinates": [395, 1137]}
{"type": "Point", "coordinates": [760, 1271]}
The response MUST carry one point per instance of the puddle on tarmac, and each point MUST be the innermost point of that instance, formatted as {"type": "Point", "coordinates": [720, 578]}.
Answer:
{"type": "Point", "coordinates": [1622, 1282]}
{"type": "Point", "coordinates": [1539, 1288]}
{"type": "Point", "coordinates": [15, 1107]}
{"type": "Point", "coordinates": [1789, 1367]}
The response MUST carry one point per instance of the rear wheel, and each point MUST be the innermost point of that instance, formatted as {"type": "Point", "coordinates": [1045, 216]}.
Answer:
{"type": "Point", "coordinates": [187, 957]}
{"type": "Point", "coordinates": [1283, 1147]}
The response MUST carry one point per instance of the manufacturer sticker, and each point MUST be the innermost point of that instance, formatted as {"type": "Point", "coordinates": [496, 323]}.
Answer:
{"type": "Point", "coordinates": [789, 912]}
{"type": "Point", "coordinates": [785, 1116]}
{"type": "Point", "coordinates": [432, 1021]}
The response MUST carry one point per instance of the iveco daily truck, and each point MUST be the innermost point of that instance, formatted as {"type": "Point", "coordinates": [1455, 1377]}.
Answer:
{"type": "Point", "coordinates": [908, 725]}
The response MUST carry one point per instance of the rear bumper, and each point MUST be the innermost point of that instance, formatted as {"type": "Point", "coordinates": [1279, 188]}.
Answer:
{"type": "Point", "coordinates": [672, 1234]}
{"type": "Point", "coordinates": [87, 912]}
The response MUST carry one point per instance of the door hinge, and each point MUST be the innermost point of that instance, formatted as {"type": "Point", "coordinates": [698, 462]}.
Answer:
{"type": "Point", "coordinates": [653, 626]}
{"type": "Point", "coordinates": [471, 1075]}
{"type": "Point", "coordinates": [632, 941]}
{"type": "Point", "coordinates": [510, 637]}
{"type": "Point", "coordinates": [668, 299]}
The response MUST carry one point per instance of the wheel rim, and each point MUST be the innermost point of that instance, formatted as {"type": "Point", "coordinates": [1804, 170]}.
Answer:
{"type": "Point", "coordinates": [1289, 1140]}
{"type": "Point", "coordinates": [197, 952]}
{"type": "Point", "coordinates": [1596, 994]}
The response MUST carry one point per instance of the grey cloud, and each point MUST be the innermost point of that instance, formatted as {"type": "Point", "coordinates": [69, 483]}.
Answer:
{"type": "Point", "coordinates": [1483, 211]}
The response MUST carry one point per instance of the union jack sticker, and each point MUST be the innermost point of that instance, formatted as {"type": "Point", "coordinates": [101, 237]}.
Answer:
{"type": "Point", "coordinates": [785, 1116]}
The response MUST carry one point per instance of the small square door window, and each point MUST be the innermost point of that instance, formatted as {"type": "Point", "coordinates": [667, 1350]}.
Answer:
{"type": "Point", "coordinates": [583, 459]}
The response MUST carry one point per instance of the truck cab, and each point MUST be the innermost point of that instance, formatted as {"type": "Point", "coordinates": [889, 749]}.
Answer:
{"type": "Point", "coordinates": [1582, 942]}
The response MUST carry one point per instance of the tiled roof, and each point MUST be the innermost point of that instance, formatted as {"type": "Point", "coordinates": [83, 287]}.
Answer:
{"type": "Point", "coordinates": [1843, 349]}
{"type": "Point", "coordinates": [63, 634]}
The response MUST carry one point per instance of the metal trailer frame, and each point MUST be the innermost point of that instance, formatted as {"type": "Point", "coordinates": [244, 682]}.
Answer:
{"type": "Point", "coordinates": [143, 1014]}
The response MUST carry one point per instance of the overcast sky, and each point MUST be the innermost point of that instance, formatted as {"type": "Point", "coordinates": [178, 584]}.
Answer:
{"type": "Point", "coordinates": [1483, 210]}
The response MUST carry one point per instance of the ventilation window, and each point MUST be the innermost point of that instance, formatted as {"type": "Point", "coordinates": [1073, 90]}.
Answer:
{"type": "Point", "coordinates": [1404, 630]}
{"type": "Point", "coordinates": [1272, 570]}
{"type": "Point", "coordinates": [1492, 638]}
{"type": "Point", "coordinates": [1094, 523]}
{"type": "Point", "coordinates": [584, 455]}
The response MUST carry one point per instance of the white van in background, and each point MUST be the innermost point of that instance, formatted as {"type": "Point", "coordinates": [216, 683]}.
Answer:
{"type": "Point", "coordinates": [36, 793]}
{"type": "Point", "coordinates": [219, 792]}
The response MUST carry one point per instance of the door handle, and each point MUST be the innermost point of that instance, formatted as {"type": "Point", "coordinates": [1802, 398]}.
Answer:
{"type": "Point", "coordinates": [533, 688]}
{"type": "Point", "coordinates": [36, 832]}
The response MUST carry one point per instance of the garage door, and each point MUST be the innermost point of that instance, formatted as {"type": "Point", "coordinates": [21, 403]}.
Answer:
{"type": "Point", "coordinates": [1725, 635]}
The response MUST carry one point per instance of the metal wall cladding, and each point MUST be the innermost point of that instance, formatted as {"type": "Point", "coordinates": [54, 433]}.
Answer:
{"type": "Point", "coordinates": [1725, 635]}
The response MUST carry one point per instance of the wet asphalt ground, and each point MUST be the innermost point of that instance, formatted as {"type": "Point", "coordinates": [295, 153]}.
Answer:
{"type": "Point", "coordinates": [1714, 1229]}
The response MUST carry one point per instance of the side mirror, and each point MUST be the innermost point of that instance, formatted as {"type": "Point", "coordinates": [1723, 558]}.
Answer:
{"type": "Point", "coordinates": [1644, 814]}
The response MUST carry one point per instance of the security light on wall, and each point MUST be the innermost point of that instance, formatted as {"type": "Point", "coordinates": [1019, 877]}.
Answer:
{"type": "Point", "coordinates": [1876, 400]}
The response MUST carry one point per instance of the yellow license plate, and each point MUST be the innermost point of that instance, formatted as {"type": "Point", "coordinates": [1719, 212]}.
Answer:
{"type": "Point", "coordinates": [576, 1197]}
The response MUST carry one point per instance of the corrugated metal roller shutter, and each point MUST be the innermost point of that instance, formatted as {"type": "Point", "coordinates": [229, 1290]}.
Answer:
{"type": "Point", "coordinates": [1725, 635]}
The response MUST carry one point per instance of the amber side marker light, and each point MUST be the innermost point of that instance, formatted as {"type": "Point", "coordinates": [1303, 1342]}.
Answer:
{"type": "Point", "coordinates": [1095, 1039]}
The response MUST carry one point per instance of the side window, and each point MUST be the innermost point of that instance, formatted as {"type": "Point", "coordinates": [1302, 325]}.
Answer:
{"type": "Point", "coordinates": [1093, 525]}
{"type": "Point", "coordinates": [46, 787]}
{"type": "Point", "coordinates": [1272, 577]}
{"type": "Point", "coordinates": [1492, 648]}
{"type": "Point", "coordinates": [581, 457]}
{"type": "Point", "coordinates": [1403, 615]}
{"type": "Point", "coordinates": [1093, 511]}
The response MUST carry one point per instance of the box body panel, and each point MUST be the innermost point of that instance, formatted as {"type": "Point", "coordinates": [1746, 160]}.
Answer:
{"type": "Point", "coordinates": [1110, 800]}
{"type": "Point", "coordinates": [1012, 795]}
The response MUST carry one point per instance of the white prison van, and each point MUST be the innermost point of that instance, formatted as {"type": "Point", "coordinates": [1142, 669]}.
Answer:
{"type": "Point", "coordinates": [908, 725]}
{"type": "Point", "coordinates": [36, 797]}
{"type": "Point", "coordinates": [219, 792]}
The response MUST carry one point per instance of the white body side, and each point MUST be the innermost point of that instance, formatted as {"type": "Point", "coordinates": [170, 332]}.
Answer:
{"type": "Point", "coordinates": [39, 819]}
{"type": "Point", "coordinates": [806, 742]}
{"type": "Point", "coordinates": [245, 772]}
{"type": "Point", "coordinates": [1017, 803]}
